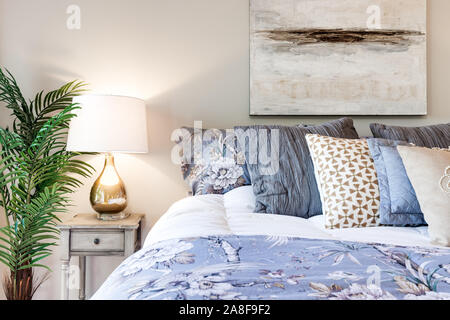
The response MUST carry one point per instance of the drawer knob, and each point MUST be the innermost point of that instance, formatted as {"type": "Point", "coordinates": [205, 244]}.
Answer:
{"type": "Point", "coordinates": [96, 241]}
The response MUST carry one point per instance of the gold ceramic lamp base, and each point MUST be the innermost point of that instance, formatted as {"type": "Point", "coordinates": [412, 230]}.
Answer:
{"type": "Point", "coordinates": [108, 194]}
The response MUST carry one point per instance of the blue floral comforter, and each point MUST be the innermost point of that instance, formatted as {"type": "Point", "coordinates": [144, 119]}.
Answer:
{"type": "Point", "coordinates": [259, 267]}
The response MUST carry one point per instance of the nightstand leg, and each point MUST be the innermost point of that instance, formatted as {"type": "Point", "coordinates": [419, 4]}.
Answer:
{"type": "Point", "coordinates": [65, 279]}
{"type": "Point", "coordinates": [82, 264]}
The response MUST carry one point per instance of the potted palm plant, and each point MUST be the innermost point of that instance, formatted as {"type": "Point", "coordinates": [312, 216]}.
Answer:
{"type": "Point", "coordinates": [37, 175]}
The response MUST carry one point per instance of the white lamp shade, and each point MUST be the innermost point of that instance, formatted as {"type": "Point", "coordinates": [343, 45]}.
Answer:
{"type": "Point", "coordinates": [107, 123]}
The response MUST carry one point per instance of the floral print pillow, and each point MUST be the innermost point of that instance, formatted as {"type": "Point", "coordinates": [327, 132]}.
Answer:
{"type": "Point", "coordinates": [210, 163]}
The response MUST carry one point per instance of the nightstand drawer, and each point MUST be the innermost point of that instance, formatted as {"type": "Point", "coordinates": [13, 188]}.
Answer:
{"type": "Point", "coordinates": [97, 241]}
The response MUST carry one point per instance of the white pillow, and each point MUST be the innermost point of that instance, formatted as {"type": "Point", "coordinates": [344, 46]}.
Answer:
{"type": "Point", "coordinates": [427, 170]}
{"type": "Point", "coordinates": [240, 200]}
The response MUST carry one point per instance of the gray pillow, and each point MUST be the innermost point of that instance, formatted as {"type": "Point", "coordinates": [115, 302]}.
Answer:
{"type": "Point", "coordinates": [284, 182]}
{"type": "Point", "coordinates": [435, 136]}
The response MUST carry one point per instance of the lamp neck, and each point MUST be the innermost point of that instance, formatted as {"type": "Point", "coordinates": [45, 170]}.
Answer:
{"type": "Point", "coordinates": [109, 159]}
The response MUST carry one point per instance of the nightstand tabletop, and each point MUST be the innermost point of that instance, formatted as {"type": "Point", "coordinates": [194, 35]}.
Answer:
{"type": "Point", "coordinates": [89, 220]}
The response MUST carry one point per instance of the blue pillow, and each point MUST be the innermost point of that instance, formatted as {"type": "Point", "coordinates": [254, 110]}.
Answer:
{"type": "Point", "coordinates": [401, 192]}
{"type": "Point", "coordinates": [398, 202]}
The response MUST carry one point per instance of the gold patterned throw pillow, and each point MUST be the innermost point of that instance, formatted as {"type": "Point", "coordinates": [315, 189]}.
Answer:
{"type": "Point", "coordinates": [347, 181]}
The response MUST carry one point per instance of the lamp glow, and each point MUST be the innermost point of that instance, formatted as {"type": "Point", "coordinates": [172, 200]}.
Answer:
{"type": "Point", "coordinates": [109, 176]}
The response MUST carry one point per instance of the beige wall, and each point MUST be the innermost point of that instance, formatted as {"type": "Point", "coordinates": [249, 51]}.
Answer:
{"type": "Point", "coordinates": [188, 59]}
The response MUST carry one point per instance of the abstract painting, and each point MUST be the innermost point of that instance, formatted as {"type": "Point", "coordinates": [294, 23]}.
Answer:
{"type": "Point", "coordinates": [346, 57]}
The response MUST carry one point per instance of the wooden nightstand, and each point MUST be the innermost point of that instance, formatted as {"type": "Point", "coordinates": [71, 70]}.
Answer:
{"type": "Point", "coordinates": [84, 235]}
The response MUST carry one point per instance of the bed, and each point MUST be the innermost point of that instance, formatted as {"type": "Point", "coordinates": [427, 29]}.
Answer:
{"type": "Point", "coordinates": [215, 247]}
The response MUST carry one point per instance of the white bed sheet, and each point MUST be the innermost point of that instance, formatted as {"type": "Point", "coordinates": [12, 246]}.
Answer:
{"type": "Point", "coordinates": [232, 214]}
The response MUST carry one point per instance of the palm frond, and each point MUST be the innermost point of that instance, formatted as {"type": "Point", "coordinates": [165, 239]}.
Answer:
{"type": "Point", "coordinates": [57, 100]}
{"type": "Point", "coordinates": [10, 94]}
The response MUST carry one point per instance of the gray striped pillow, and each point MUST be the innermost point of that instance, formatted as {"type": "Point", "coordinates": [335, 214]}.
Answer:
{"type": "Point", "coordinates": [292, 189]}
{"type": "Point", "coordinates": [435, 136]}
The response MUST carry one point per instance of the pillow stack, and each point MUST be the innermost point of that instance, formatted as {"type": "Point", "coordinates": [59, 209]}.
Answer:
{"type": "Point", "coordinates": [393, 179]}
{"type": "Point", "coordinates": [372, 182]}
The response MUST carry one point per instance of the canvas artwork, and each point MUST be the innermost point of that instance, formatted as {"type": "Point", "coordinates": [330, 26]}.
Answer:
{"type": "Point", "coordinates": [346, 57]}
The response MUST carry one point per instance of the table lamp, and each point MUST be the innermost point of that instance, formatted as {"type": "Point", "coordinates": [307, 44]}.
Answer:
{"type": "Point", "coordinates": [108, 124]}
